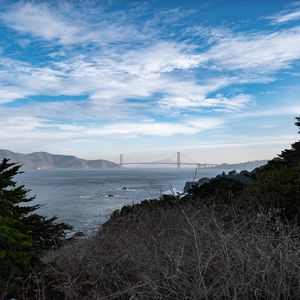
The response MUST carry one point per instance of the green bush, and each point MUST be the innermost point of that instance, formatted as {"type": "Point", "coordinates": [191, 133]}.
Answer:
{"type": "Point", "coordinates": [220, 190]}
{"type": "Point", "coordinates": [23, 234]}
{"type": "Point", "coordinates": [278, 187]}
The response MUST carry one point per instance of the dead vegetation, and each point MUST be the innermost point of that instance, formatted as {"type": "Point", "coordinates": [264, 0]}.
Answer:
{"type": "Point", "coordinates": [184, 252]}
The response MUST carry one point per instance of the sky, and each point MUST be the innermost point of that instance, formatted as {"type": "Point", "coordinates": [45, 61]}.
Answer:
{"type": "Point", "coordinates": [216, 80]}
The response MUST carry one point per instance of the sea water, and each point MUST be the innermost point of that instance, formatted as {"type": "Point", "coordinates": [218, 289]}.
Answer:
{"type": "Point", "coordinates": [86, 198]}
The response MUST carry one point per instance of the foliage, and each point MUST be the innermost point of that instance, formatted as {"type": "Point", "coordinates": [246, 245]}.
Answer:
{"type": "Point", "coordinates": [292, 156]}
{"type": "Point", "coordinates": [277, 185]}
{"type": "Point", "coordinates": [23, 233]}
{"type": "Point", "coordinates": [220, 189]}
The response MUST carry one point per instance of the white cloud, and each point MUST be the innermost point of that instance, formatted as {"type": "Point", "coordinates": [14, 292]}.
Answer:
{"type": "Point", "coordinates": [261, 52]}
{"type": "Point", "coordinates": [39, 21]}
{"type": "Point", "coordinates": [160, 128]}
{"type": "Point", "coordinates": [287, 110]}
{"type": "Point", "coordinates": [286, 16]}
{"type": "Point", "coordinates": [8, 94]}
{"type": "Point", "coordinates": [162, 57]}
{"type": "Point", "coordinates": [65, 26]}
{"type": "Point", "coordinates": [219, 103]}
{"type": "Point", "coordinates": [39, 129]}
{"type": "Point", "coordinates": [24, 123]}
{"type": "Point", "coordinates": [108, 81]}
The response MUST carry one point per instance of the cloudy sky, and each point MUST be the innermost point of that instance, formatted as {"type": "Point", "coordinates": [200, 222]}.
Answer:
{"type": "Point", "coordinates": [217, 80]}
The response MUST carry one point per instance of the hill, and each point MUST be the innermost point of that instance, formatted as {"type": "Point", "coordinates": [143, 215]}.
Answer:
{"type": "Point", "coordinates": [44, 160]}
{"type": "Point", "coordinates": [249, 165]}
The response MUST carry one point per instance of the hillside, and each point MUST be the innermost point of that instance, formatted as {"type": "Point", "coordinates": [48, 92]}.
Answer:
{"type": "Point", "coordinates": [44, 160]}
{"type": "Point", "coordinates": [249, 165]}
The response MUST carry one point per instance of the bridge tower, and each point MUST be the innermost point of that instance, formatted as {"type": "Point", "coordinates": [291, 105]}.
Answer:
{"type": "Point", "coordinates": [178, 160]}
{"type": "Point", "coordinates": [121, 161]}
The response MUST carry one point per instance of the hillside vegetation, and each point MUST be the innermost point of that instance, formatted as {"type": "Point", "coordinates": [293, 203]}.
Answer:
{"type": "Point", "coordinates": [225, 239]}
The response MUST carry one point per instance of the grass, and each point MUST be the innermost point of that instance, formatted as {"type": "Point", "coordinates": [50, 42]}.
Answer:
{"type": "Point", "coordinates": [182, 252]}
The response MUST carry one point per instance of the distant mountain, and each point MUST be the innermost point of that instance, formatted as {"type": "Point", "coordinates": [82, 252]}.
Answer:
{"type": "Point", "coordinates": [44, 160]}
{"type": "Point", "coordinates": [249, 165]}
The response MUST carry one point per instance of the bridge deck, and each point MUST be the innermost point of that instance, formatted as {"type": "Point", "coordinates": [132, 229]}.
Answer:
{"type": "Point", "coordinates": [167, 163]}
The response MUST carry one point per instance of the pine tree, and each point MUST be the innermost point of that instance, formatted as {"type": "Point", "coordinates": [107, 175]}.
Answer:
{"type": "Point", "coordinates": [23, 233]}
{"type": "Point", "coordinates": [292, 156]}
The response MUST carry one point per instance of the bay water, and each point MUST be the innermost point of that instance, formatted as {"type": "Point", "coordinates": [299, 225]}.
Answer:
{"type": "Point", "coordinates": [86, 198]}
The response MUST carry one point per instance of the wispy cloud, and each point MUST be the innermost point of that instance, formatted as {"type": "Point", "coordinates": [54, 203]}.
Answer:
{"type": "Point", "coordinates": [39, 21]}
{"type": "Point", "coordinates": [38, 128]}
{"type": "Point", "coordinates": [285, 16]}
{"type": "Point", "coordinates": [260, 52]}
{"type": "Point", "coordinates": [108, 80]}
{"type": "Point", "coordinates": [65, 26]}
{"type": "Point", "coordinates": [219, 103]}
{"type": "Point", "coordinates": [286, 110]}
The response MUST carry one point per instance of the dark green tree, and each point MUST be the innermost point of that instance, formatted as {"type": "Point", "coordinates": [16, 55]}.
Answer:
{"type": "Point", "coordinates": [277, 184]}
{"type": "Point", "coordinates": [23, 233]}
{"type": "Point", "coordinates": [292, 156]}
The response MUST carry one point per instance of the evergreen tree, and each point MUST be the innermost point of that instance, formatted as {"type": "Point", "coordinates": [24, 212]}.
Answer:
{"type": "Point", "coordinates": [292, 156]}
{"type": "Point", "coordinates": [278, 182]}
{"type": "Point", "coordinates": [23, 233]}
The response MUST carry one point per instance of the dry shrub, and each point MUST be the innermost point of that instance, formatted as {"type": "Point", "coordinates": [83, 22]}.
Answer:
{"type": "Point", "coordinates": [185, 252]}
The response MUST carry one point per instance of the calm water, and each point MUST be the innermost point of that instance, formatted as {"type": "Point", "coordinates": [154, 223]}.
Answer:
{"type": "Point", "coordinates": [81, 197]}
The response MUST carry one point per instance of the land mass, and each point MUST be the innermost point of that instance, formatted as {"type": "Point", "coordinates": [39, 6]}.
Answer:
{"type": "Point", "coordinates": [248, 165]}
{"type": "Point", "coordinates": [44, 160]}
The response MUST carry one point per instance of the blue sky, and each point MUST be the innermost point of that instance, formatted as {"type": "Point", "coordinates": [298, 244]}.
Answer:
{"type": "Point", "coordinates": [217, 80]}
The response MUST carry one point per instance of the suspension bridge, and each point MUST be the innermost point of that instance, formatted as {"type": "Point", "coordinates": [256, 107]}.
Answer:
{"type": "Point", "coordinates": [178, 159]}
